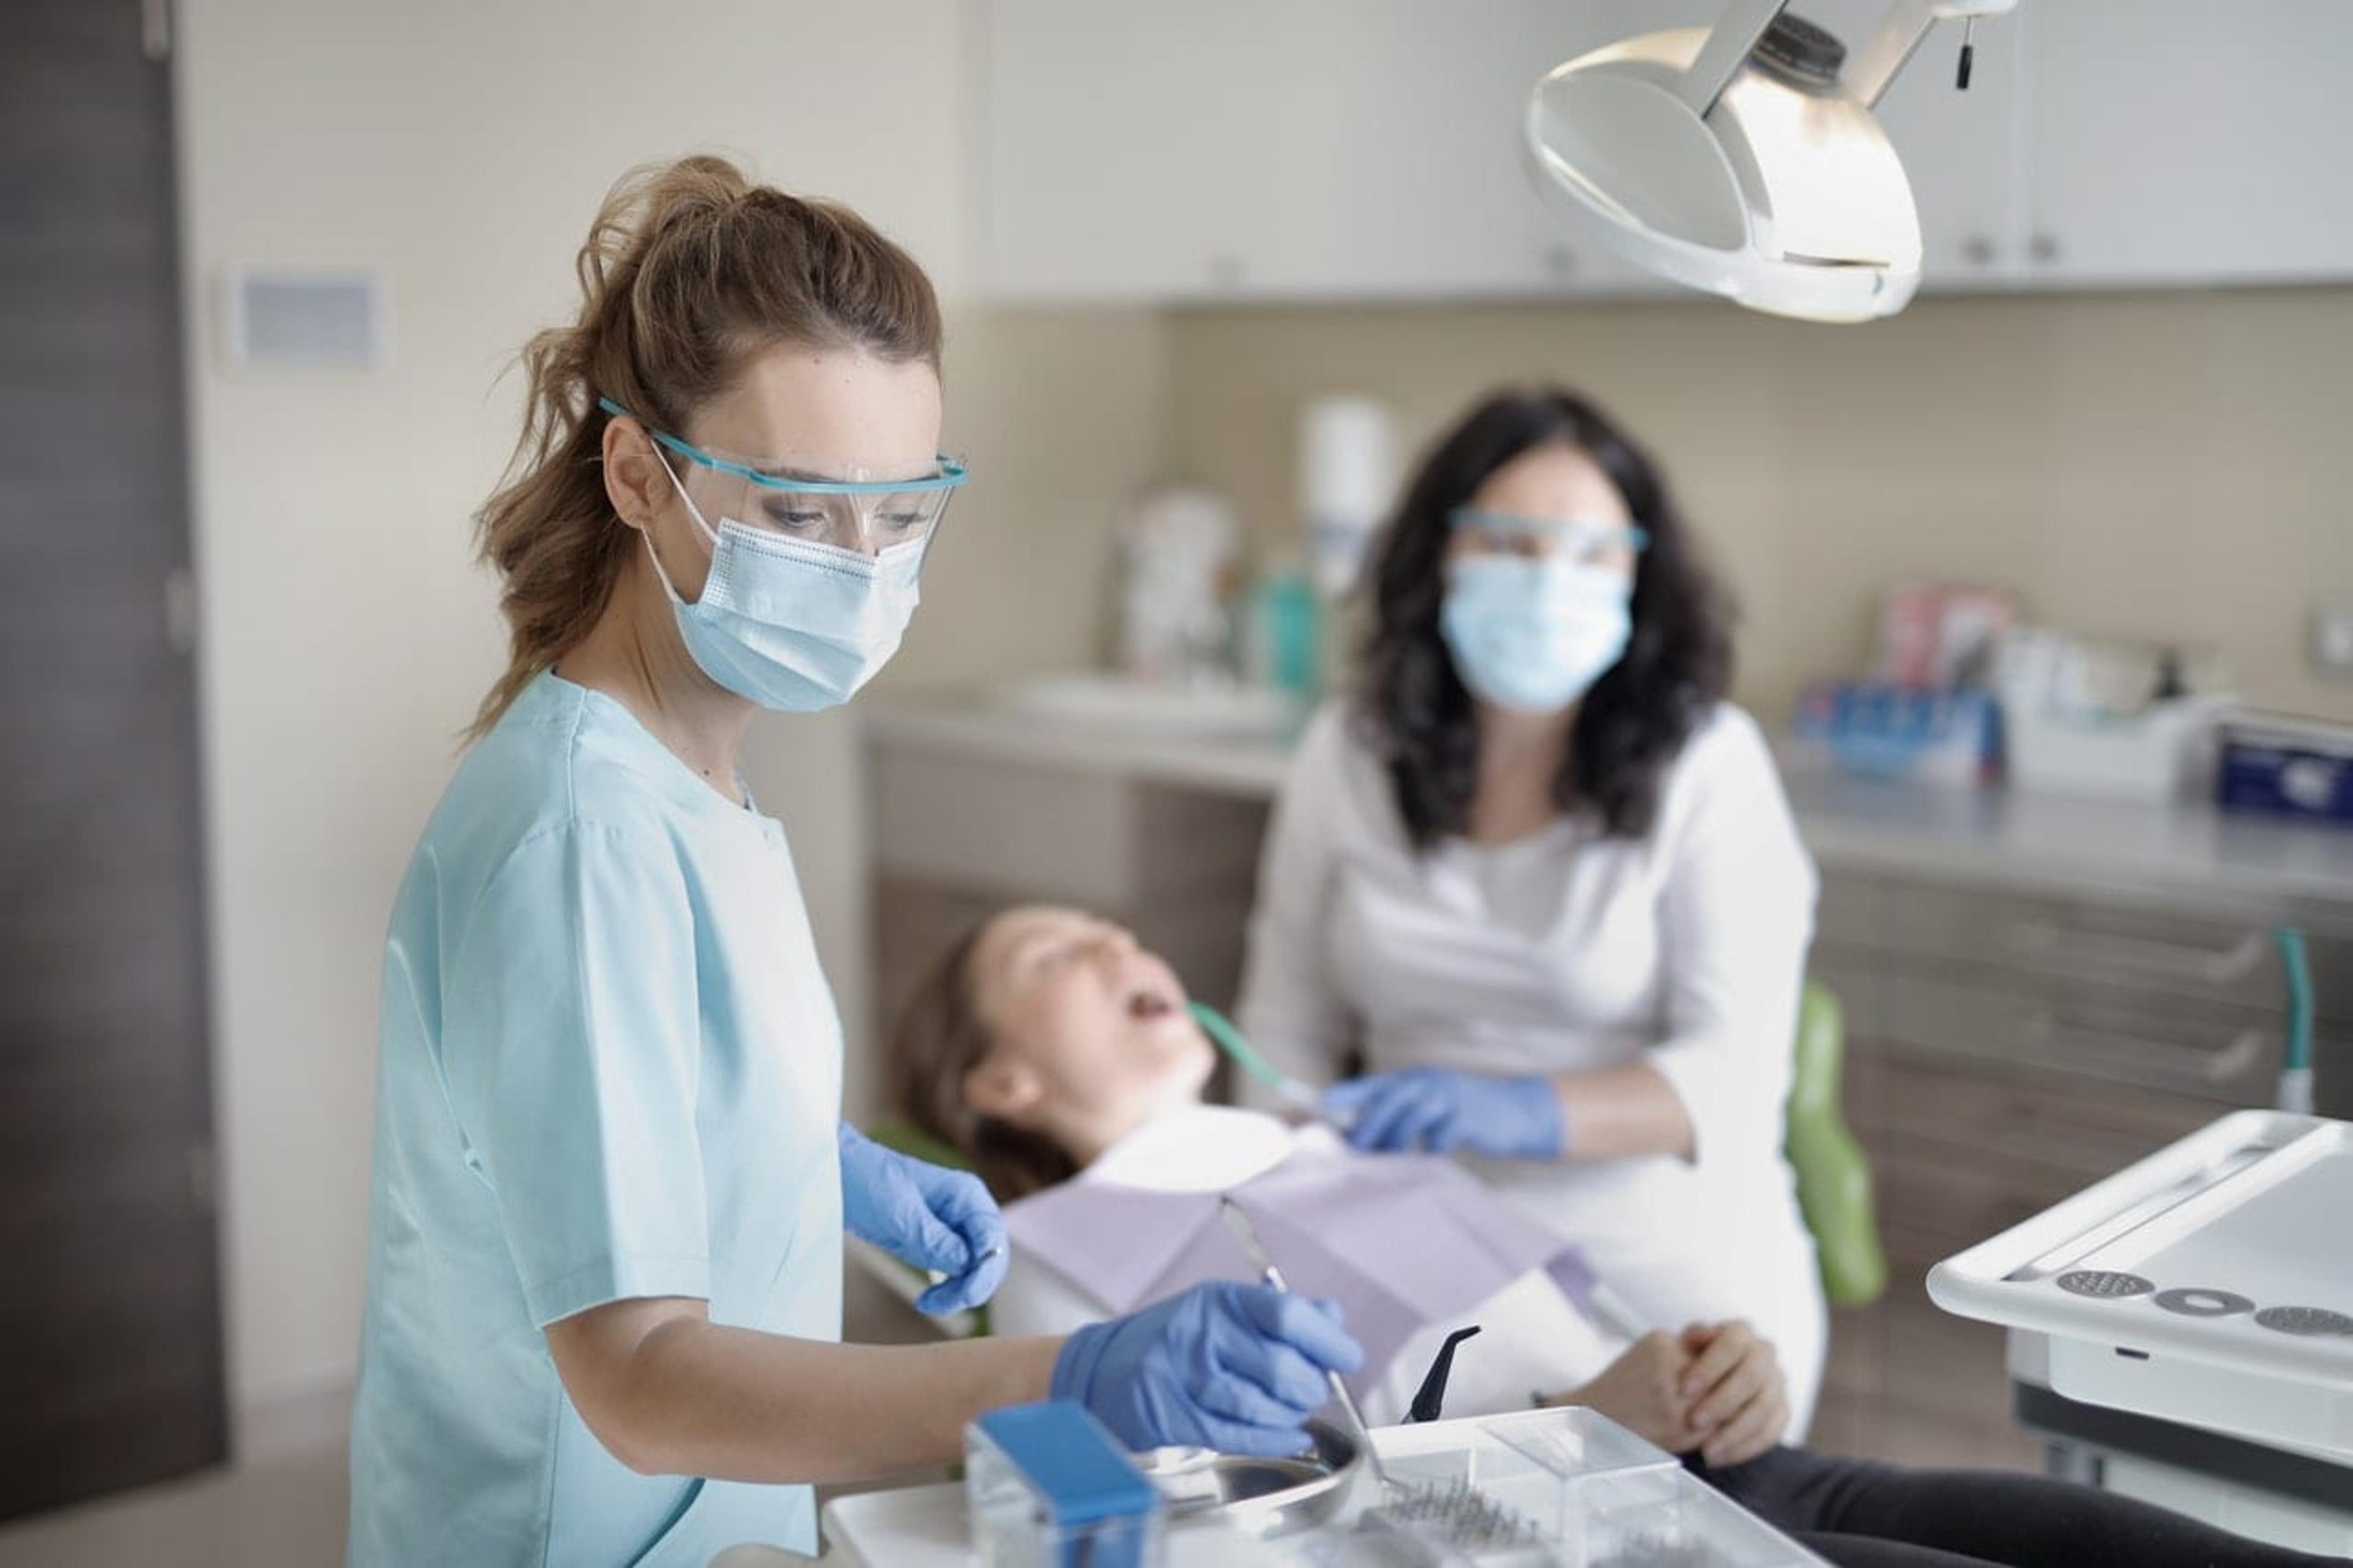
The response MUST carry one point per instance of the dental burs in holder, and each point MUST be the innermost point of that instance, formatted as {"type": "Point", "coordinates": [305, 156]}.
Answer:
{"type": "Point", "coordinates": [1744, 161]}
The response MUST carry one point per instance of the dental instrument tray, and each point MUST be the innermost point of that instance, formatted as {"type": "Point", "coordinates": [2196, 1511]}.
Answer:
{"type": "Point", "coordinates": [2210, 1284]}
{"type": "Point", "coordinates": [1560, 1488]}
{"type": "Point", "coordinates": [1264, 1498]}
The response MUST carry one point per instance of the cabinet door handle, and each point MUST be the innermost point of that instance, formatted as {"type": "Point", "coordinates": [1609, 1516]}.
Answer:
{"type": "Point", "coordinates": [155, 29]}
{"type": "Point", "coordinates": [2044, 248]}
{"type": "Point", "coordinates": [180, 610]}
{"type": "Point", "coordinates": [2139, 955]}
{"type": "Point", "coordinates": [1977, 250]}
{"type": "Point", "coordinates": [2132, 1059]}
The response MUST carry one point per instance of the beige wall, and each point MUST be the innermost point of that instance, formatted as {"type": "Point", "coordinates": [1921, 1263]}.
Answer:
{"type": "Point", "coordinates": [462, 148]}
{"type": "Point", "coordinates": [2164, 464]}
{"type": "Point", "coordinates": [1063, 415]}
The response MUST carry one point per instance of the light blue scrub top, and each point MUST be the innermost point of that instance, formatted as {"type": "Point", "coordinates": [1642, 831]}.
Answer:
{"type": "Point", "coordinates": [610, 1069]}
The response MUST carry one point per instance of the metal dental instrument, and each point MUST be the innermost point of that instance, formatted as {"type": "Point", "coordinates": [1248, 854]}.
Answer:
{"type": "Point", "coordinates": [1247, 1234]}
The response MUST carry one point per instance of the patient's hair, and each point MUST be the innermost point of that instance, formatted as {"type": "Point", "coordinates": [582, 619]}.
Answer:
{"type": "Point", "coordinates": [939, 1038]}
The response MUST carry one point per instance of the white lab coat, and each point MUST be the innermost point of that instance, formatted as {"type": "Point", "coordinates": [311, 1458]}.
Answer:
{"type": "Point", "coordinates": [1569, 950]}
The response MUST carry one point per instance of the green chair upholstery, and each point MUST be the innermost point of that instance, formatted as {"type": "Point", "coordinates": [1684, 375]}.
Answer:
{"type": "Point", "coordinates": [1834, 1175]}
{"type": "Point", "coordinates": [902, 1136]}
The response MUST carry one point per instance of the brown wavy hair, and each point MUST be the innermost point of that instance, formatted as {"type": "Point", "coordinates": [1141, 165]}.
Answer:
{"type": "Point", "coordinates": [689, 269]}
{"type": "Point", "coordinates": [939, 1038]}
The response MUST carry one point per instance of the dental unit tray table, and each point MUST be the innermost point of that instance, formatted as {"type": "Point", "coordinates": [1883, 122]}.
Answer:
{"type": "Point", "coordinates": [2210, 1284]}
{"type": "Point", "coordinates": [1620, 1493]}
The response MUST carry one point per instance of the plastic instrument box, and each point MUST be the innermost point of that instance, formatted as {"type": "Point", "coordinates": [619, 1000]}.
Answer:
{"type": "Point", "coordinates": [1048, 1488]}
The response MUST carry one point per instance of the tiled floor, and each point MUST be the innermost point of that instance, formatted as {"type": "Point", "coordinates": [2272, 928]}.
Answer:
{"type": "Point", "coordinates": [285, 1512]}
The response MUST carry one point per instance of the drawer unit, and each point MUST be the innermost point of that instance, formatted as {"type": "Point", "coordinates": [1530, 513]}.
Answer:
{"type": "Point", "coordinates": [1925, 1110]}
{"type": "Point", "coordinates": [1851, 911]}
{"type": "Point", "coordinates": [2005, 1052]}
{"type": "Point", "coordinates": [2212, 958]}
{"type": "Point", "coordinates": [1910, 1383]}
{"type": "Point", "coordinates": [2228, 1056]}
{"type": "Point", "coordinates": [2226, 953]}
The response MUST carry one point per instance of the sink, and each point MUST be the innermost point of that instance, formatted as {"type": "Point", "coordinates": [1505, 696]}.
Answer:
{"type": "Point", "coordinates": [1101, 701]}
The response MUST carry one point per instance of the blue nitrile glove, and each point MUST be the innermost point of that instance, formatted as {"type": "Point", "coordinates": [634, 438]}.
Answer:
{"type": "Point", "coordinates": [925, 1215]}
{"type": "Point", "coordinates": [1227, 1366]}
{"type": "Point", "coordinates": [1448, 1112]}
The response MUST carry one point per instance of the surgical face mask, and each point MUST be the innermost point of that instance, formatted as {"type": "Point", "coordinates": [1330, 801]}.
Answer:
{"type": "Point", "coordinates": [1535, 633]}
{"type": "Point", "coordinates": [793, 625]}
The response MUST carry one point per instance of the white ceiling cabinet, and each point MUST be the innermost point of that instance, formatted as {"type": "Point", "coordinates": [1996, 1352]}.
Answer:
{"type": "Point", "coordinates": [1117, 145]}
{"type": "Point", "coordinates": [1395, 168]}
{"type": "Point", "coordinates": [2176, 142]}
{"type": "Point", "coordinates": [1368, 149]}
{"type": "Point", "coordinates": [1277, 149]}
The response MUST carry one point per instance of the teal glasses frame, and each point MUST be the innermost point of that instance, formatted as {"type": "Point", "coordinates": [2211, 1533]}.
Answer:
{"type": "Point", "coordinates": [951, 475]}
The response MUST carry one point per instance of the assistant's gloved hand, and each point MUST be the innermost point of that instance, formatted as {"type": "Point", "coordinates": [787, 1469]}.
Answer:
{"type": "Point", "coordinates": [928, 1215]}
{"type": "Point", "coordinates": [1445, 1112]}
{"type": "Point", "coordinates": [1232, 1367]}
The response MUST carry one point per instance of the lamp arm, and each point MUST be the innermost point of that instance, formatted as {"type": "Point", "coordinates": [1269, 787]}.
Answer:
{"type": "Point", "coordinates": [1874, 66]}
{"type": "Point", "coordinates": [1728, 46]}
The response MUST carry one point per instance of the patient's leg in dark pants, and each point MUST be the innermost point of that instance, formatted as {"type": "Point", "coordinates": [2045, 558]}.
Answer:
{"type": "Point", "coordinates": [1855, 1512]}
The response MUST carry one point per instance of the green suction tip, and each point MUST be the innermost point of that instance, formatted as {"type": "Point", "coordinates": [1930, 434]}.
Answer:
{"type": "Point", "coordinates": [1228, 1039]}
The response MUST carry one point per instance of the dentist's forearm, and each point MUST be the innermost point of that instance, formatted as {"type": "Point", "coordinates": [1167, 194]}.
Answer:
{"type": "Point", "coordinates": [744, 1405]}
{"type": "Point", "coordinates": [670, 1393]}
{"type": "Point", "coordinates": [1620, 1112]}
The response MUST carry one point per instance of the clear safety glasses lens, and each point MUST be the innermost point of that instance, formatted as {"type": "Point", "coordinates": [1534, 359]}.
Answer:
{"type": "Point", "coordinates": [867, 515]}
{"type": "Point", "coordinates": [1580, 539]}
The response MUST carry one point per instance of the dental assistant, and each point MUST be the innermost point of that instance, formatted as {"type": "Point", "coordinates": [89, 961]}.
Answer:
{"type": "Point", "coordinates": [610, 1180]}
{"type": "Point", "coordinates": [1538, 883]}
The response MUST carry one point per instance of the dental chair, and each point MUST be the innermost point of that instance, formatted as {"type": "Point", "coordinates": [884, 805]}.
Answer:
{"type": "Point", "coordinates": [1834, 1187]}
{"type": "Point", "coordinates": [1833, 1175]}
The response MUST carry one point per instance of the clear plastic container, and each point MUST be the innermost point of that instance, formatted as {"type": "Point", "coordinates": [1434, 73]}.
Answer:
{"type": "Point", "coordinates": [1047, 1487]}
{"type": "Point", "coordinates": [1557, 1487]}
{"type": "Point", "coordinates": [1671, 1518]}
{"type": "Point", "coordinates": [1558, 1469]}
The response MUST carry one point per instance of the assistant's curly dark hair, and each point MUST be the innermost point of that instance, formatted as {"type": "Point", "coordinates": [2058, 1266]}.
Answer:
{"type": "Point", "coordinates": [1413, 707]}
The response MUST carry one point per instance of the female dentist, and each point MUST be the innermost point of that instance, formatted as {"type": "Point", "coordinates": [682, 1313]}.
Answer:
{"type": "Point", "coordinates": [1540, 879]}
{"type": "Point", "coordinates": [611, 1184]}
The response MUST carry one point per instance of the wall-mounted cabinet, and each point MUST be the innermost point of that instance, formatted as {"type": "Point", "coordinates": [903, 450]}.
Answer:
{"type": "Point", "coordinates": [1273, 149]}
{"type": "Point", "coordinates": [1305, 149]}
{"type": "Point", "coordinates": [2172, 143]}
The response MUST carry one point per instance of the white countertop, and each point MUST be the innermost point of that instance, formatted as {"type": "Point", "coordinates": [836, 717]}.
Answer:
{"type": "Point", "coordinates": [1233, 765]}
{"type": "Point", "coordinates": [1997, 837]}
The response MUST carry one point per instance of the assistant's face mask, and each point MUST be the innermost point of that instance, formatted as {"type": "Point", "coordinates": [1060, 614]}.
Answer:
{"type": "Point", "coordinates": [793, 625]}
{"type": "Point", "coordinates": [1535, 633]}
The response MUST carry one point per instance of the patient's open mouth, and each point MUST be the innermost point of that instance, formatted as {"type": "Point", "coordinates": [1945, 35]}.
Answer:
{"type": "Point", "coordinates": [1149, 1004]}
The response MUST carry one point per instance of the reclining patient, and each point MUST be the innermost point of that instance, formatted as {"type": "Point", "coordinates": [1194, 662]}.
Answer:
{"type": "Point", "coordinates": [1061, 1060]}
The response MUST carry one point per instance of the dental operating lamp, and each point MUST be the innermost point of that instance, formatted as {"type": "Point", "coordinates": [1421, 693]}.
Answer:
{"type": "Point", "coordinates": [1745, 158]}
